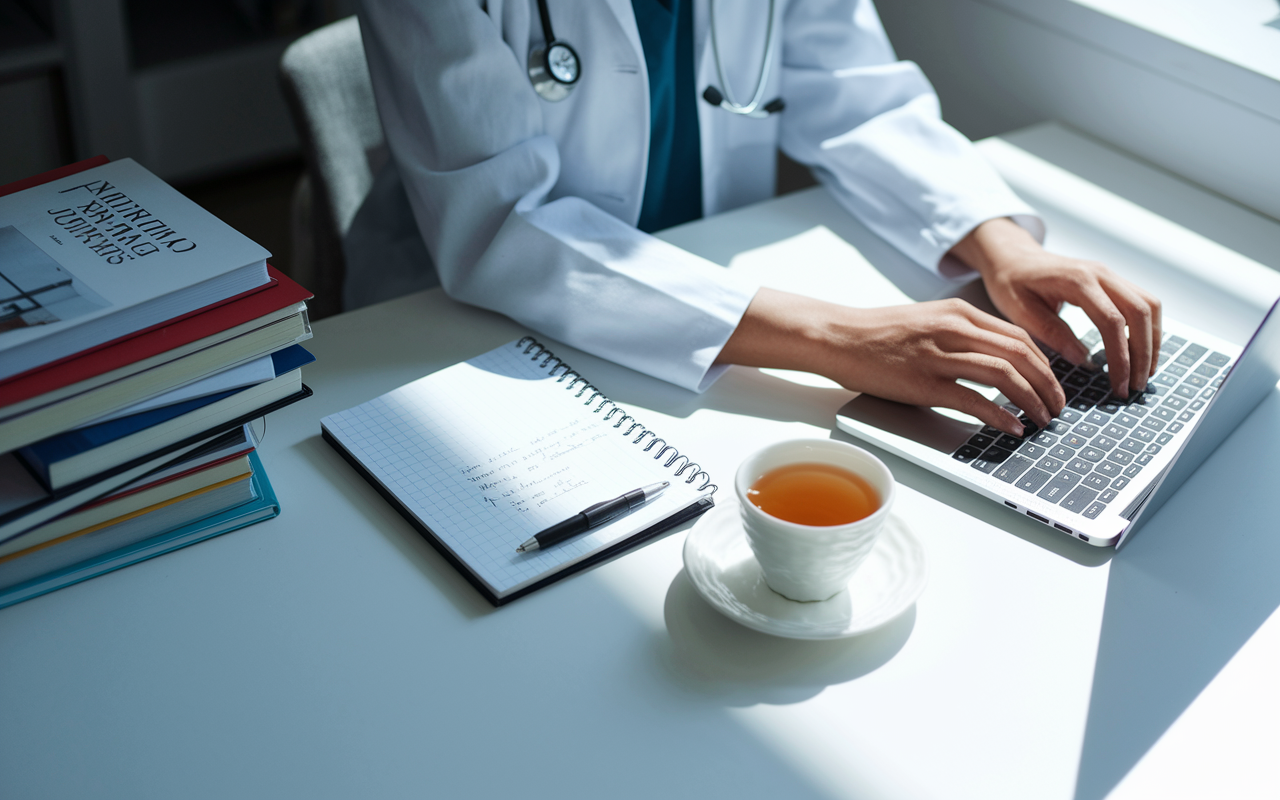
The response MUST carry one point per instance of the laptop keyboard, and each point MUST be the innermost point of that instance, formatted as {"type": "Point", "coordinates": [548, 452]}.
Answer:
{"type": "Point", "coordinates": [1099, 443]}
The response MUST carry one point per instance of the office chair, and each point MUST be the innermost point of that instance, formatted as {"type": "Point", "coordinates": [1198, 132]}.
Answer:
{"type": "Point", "coordinates": [326, 82]}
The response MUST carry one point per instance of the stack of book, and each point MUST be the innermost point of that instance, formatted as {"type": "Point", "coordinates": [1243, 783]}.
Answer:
{"type": "Point", "coordinates": [139, 338]}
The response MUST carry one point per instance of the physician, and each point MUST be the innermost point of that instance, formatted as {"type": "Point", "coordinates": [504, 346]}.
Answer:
{"type": "Point", "coordinates": [535, 143]}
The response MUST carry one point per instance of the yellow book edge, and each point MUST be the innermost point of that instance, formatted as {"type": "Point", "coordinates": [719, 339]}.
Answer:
{"type": "Point", "coordinates": [125, 517]}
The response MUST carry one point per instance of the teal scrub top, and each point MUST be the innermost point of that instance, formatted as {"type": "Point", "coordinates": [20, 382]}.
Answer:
{"type": "Point", "coordinates": [673, 190]}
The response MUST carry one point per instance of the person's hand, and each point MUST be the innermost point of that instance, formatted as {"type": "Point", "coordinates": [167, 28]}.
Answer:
{"type": "Point", "coordinates": [913, 354]}
{"type": "Point", "coordinates": [1029, 285]}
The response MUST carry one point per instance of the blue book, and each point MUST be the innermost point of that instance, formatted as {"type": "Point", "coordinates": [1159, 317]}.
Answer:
{"type": "Point", "coordinates": [265, 506]}
{"type": "Point", "coordinates": [78, 454]}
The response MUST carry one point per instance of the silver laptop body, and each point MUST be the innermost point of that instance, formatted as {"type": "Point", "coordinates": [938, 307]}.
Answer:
{"type": "Point", "coordinates": [1103, 465]}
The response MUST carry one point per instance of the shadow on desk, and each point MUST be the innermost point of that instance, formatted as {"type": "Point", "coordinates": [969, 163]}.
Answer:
{"type": "Point", "coordinates": [743, 668]}
{"type": "Point", "coordinates": [1184, 596]}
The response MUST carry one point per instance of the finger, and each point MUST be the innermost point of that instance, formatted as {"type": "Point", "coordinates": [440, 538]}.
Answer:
{"type": "Point", "coordinates": [1017, 349]}
{"type": "Point", "coordinates": [994, 324]}
{"type": "Point", "coordinates": [993, 371]}
{"type": "Point", "coordinates": [1157, 331]}
{"type": "Point", "coordinates": [967, 401]}
{"type": "Point", "coordinates": [1045, 324]}
{"type": "Point", "coordinates": [1110, 323]}
{"type": "Point", "coordinates": [1137, 312]}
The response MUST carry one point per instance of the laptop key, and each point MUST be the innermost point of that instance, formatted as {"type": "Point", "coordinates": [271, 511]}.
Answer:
{"type": "Point", "coordinates": [1095, 508]}
{"type": "Point", "coordinates": [1057, 488]}
{"type": "Point", "coordinates": [1059, 427]}
{"type": "Point", "coordinates": [1163, 412]}
{"type": "Point", "coordinates": [1074, 440]}
{"type": "Point", "coordinates": [997, 454]}
{"type": "Point", "coordinates": [1162, 439]}
{"type": "Point", "coordinates": [1207, 393]}
{"type": "Point", "coordinates": [1033, 479]}
{"type": "Point", "coordinates": [1126, 420]}
{"type": "Point", "coordinates": [1050, 464]}
{"type": "Point", "coordinates": [1120, 457]}
{"type": "Point", "coordinates": [966, 453]}
{"type": "Point", "coordinates": [1112, 406]}
{"type": "Point", "coordinates": [1062, 453]}
{"type": "Point", "coordinates": [1045, 439]}
{"type": "Point", "coordinates": [1197, 381]}
{"type": "Point", "coordinates": [1133, 445]}
{"type": "Point", "coordinates": [1165, 379]}
{"type": "Point", "coordinates": [1176, 403]}
{"type": "Point", "coordinates": [1069, 415]}
{"type": "Point", "coordinates": [1103, 442]}
{"type": "Point", "coordinates": [1096, 417]}
{"type": "Point", "coordinates": [1207, 370]}
{"type": "Point", "coordinates": [1186, 416]}
{"type": "Point", "coordinates": [1079, 499]}
{"type": "Point", "coordinates": [1032, 451]}
{"type": "Point", "coordinates": [1092, 454]}
{"type": "Point", "coordinates": [1217, 359]}
{"type": "Point", "coordinates": [980, 441]}
{"type": "Point", "coordinates": [1107, 496]}
{"type": "Point", "coordinates": [1119, 483]}
{"type": "Point", "coordinates": [1132, 470]}
{"type": "Point", "coordinates": [984, 465]}
{"type": "Point", "coordinates": [1174, 427]}
{"type": "Point", "coordinates": [1109, 468]}
{"type": "Point", "coordinates": [1196, 405]}
{"type": "Point", "coordinates": [1174, 342]}
{"type": "Point", "coordinates": [1174, 369]}
{"type": "Point", "coordinates": [1095, 481]}
{"type": "Point", "coordinates": [1009, 442]}
{"type": "Point", "coordinates": [1185, 391]}
{"type": "Point", "coordinates": [1094, 395]}
{"type": "Point", "coordinates": [1152, 449]}
{"type": "Point", "coordinates": [1079, 465]}
{"type": "Point", "coordinates": [1144, 459]}
{"type": "Point", "coordinates": [1145, 434]}
{"type": "Point", "coordinates": [1011, 469]}
{"type": "Point", "coordinates": [1080, 406]}
{"type": "Point", "coordinates": [1078, 379]}
{"type": "Point", "coordinates": [1086, 429]}
{"type": "Point", "coordinates": [1153, 423]}
{"type": "Point", "coordinates": [1136, 411]}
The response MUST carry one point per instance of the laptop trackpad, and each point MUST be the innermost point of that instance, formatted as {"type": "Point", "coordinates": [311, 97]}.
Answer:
{"type": "Point", "coordinates": [924, 425]}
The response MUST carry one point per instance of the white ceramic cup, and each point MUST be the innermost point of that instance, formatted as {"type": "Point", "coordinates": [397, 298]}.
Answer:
{"type": "Point", "coordinates": [811, 562]}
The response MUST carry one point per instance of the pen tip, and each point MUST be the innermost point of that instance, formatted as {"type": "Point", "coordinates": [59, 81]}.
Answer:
{"type": "Point", "coordinates": [665, 484]}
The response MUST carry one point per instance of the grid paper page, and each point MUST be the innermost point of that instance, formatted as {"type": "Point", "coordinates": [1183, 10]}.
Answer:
{"type": "Point", "coordinates": [488, 452]}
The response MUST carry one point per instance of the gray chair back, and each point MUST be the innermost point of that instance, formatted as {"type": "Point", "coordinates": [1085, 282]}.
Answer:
{"type": "Point", "coordinates": [326, 82]}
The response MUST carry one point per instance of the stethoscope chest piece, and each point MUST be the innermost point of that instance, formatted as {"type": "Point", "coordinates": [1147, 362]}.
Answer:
{"type": "Point", "coordinates": [554, 70]}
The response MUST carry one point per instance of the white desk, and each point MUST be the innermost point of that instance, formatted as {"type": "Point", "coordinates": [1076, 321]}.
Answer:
{"type": "Point", "coordinates": [333, 653]}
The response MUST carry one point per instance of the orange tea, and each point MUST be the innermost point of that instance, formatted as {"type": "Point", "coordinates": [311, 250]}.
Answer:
{"type": "Point", "coordinates": [814, 494]}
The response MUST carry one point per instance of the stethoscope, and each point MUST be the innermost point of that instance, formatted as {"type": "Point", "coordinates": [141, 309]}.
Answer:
{"type": "Point", "coordinates": [554, 69]}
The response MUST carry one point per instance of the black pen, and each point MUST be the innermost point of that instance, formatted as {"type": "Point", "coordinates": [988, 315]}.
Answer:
{"type": "Point", "coordinates": [593, 517]}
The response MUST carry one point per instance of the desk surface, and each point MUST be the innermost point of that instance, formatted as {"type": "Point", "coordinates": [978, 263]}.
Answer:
{"type": "Point", "coordinates": [332, 653]}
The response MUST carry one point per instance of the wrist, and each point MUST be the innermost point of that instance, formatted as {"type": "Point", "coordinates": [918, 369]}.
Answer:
{"type": "Point", "coordinates": [994, 245]}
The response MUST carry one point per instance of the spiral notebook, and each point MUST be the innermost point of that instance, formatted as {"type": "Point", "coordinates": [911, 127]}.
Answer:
{"type": "Point", "coordinates": [484, 454]}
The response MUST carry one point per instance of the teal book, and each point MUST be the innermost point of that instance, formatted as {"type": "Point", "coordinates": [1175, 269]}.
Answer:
{"type": "Point", "coordinates": [263, 506]}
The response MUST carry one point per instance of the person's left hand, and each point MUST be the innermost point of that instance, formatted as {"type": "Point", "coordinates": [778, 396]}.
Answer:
{"type": "Point", "coordinates": [1029, 285]}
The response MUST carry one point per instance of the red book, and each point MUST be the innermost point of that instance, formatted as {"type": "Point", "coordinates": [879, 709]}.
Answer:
{"type": "Point", "coordinates": [207, 321]}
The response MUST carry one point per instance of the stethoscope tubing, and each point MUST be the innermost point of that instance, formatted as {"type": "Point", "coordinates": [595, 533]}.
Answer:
{"type": "Point", "coordinates": [729, 103]}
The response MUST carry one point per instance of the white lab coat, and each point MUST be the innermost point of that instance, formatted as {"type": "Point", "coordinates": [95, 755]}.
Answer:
{"type": "Point", "coordinates": [528, 207]}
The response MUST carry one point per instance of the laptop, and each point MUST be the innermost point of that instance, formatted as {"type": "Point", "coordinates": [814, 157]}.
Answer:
{"type": "Point", "coordinates": [1104, 465]}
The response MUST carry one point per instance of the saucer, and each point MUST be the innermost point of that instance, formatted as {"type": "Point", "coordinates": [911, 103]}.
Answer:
{"type": "Point", "coordinates": [720, 563]}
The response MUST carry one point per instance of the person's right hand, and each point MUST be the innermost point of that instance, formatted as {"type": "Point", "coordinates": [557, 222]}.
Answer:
{"type": "Point", "coordinates": [912, 354]}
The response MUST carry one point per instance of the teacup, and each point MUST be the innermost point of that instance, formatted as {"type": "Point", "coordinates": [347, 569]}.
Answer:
{"type": "Point", "coordinates": [812, 562]}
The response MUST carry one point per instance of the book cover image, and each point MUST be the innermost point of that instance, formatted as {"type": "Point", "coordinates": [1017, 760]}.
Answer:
{"type": "Point", "coordinates": [35, 289]}
{"type": "Point", "coordinates": [120, 235]}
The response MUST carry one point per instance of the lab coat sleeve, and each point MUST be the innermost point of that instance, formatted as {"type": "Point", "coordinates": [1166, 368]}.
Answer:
{"type": "Point", "coordinates": [870, 128]}
{"type": "Point", "coordinates": [467, 134]}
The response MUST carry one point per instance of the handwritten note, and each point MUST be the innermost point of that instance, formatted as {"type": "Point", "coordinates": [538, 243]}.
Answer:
{"type": "Point", "coordinates": [488, 452]}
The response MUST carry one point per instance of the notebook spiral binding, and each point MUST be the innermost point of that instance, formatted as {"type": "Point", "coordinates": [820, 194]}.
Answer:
{"type": "Point", "coordinates": [535, 349]}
